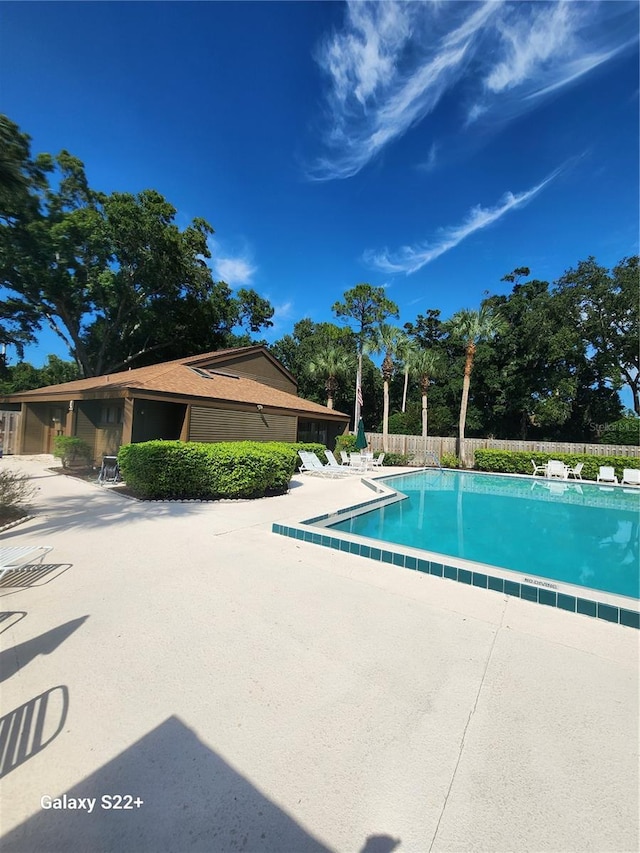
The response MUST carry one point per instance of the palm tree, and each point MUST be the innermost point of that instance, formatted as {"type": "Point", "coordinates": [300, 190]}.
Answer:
{"type": "Point", "coordinates": [471, 327]}
{"type": "Point", "coordinates": [406, 350]}
{"type": "Point", "coordinates": [425, 365]}
{"type": "Point", "coordinates": [388, 338]}
{"type": "Point", "coordinates": [329, 365]}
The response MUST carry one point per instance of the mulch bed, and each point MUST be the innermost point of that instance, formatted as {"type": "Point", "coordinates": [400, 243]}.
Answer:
{"type": "Point", "coordinates": [10, 514]}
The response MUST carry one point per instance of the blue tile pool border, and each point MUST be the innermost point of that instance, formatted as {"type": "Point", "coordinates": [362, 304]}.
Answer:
{"type": "Point", "coordinates": [482, 580]}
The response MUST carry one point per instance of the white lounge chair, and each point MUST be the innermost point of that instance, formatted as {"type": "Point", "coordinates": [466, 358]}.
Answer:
{"type": "Point", "coordinates": [377, 462]}
{"type": "Point", "coordinates": [19, 556]}
{"type": "Point", "coordinates": [539, 469]}
{"type": "Point", "coordinates": [606, 474]}
{"type": "Point", "coordinates": [312, 465]}
{"type": "Point", "coordinates": [557, 469]}
{"type": "Point", "coordinates": [631, 477]}
{"type": "Point", "coordinates": [576, 471]}
{"type": "Point", "coordinates": [345, 457]}
{"type": "Point", "coordinates": [331, 459]}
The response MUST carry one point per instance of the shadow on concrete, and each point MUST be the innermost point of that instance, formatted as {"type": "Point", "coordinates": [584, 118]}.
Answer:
{"type": "Point", "coordinates": [13, 659]}
{"type": "Point", "coordinates": [27, 730]}
{"type": "Point", "coordinates": [380, 844]}
{"type": "Point", "coordinates": [99, 509]}
{"type": "Point", "coordinates": [192, 800]}
{"type": "Point", "coordinates": [9, 618]}
{"type": "Point", "coordinates": [33, 575]}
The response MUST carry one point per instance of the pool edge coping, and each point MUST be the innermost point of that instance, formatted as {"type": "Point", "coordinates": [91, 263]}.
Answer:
{"type": "Point", "coordinates": [609, 607]}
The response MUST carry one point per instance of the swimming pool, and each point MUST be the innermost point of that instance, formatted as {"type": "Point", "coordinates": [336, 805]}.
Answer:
{"type": "Point", "coordinates": [576, 533]}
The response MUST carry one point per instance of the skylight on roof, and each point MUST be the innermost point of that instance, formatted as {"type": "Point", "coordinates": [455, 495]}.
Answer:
{"type": "Point", "coordinates": [211, 374]}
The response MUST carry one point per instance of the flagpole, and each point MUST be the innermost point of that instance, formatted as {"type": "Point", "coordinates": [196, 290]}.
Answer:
{"type": "Point", "coordinates": [358, 406]}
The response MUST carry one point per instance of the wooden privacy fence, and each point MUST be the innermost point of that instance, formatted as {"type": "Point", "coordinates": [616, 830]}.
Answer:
{"type": "Point", "coordinates": [413, 446]}
{"type": "Point", "coordinates": [8, 431]}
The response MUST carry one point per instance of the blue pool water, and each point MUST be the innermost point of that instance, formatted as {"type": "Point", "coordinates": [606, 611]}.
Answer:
{"type": "Point", "coordinates": [577, 533]}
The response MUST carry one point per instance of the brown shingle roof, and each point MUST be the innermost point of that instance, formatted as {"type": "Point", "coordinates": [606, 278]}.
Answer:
{"type": "Point", "coordinates": [177, 378]}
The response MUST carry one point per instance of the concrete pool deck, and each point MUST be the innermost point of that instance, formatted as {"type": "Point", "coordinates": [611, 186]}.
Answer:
{"type": "Point", "coordinates": [262, 694]}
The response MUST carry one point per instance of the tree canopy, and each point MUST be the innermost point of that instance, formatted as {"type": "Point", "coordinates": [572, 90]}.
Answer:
{"type": "Point", "coordinates": [112, 274]}
{"type": "Point", "coordinates": [122, 284]}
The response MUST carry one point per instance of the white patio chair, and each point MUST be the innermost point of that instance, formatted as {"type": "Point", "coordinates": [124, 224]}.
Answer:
{"type": "Point", "coordinates": [557, 469]}
{"type": "Point", "coordinates": [576, 471]}
{"type": "Point", "coordinates": [356, 462]}
{"type": "Point", "coordinates": [345, 457]}
{"type": "Point", "coordinates": [631, 477]}
{"type": "Point", "coordinates": [606, 474]}
{"type": "Point", "coordinates": [539, 469]}
{"type": "Point", "coordinates": [377, 462]}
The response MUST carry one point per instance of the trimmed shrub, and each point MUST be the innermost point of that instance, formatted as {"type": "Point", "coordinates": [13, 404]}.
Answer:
{"type": "Point", "coordinates": [71, 449]}
{"type": "Point", "coordinates": [161, 470]}
{"type": "Point", "coordinates": [346, 442]}
{"type": "Point", "coordinates": [449, 460]}
{"type": "Point", "coordinates": [400, 459]}
{"type": "Point", "coordinates": [512, 462]}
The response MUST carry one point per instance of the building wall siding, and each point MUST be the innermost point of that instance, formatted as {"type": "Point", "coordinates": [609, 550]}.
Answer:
{"type": "Point", "coordinates": [35, 428]}
{"type": "Point", "coordinates": [86, 420]}
{"type": "Point", "coordinates": [255, 366]}
{"type": "Point", "coordinates": [210, 424]}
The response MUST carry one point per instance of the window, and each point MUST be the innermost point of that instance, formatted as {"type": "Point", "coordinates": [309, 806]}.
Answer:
{"type": "Point", "coordinates": [312, 431]}
{"type": "Point", "coordinates": [112, 414]}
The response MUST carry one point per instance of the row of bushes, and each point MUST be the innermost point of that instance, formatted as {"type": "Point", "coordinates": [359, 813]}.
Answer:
{"type": "Point", "coordinates": [161, 470]}
{"type": "Point", "coordinates": [515, 462]}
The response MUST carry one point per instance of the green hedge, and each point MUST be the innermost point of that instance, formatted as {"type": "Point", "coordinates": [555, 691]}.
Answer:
{"type": "Point", "coordinates": [310, 447]}
{"type": "Point", "coordinates": [512, 462]}
{"type": "Point", "coordinates": [396, 459]}
{"type": "Point", "coordinates": [157, 470]}
{"type": "Point", "coordinates": [69, 448]}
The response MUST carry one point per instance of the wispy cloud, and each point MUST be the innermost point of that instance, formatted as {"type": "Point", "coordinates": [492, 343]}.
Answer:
{"type": "Point", "coordinates": [432, 158]}
{"type": "Point", "coordinates": [409, 259]}
{"type": "Point", "coordinates": [236, 270]}
{"type": "Point", "coordinates": [381, 81]}
{"type": "Point", "coordinates": [391, 63]}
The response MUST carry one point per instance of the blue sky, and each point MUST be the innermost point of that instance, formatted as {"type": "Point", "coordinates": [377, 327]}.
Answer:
{"type": "Point", "coordinates": [427, 147]}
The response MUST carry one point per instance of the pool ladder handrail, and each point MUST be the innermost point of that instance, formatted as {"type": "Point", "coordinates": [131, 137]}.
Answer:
{"type": "Point", "coordinates": [429, 454]}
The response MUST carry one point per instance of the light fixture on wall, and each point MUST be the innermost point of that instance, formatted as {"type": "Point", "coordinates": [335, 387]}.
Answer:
{"type": "Point", "coordinates": [259, 407]}
{"type": "Point", "coordinates": [70, 405]}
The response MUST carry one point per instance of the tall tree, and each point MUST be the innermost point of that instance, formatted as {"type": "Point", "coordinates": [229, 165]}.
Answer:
{"type": "Point", "coordinates": [609, 318]}
{"type": "Point", "coordinates": [112, 275]}
{"type": "Point", "coordinates": [330, 365]}
{"type": "Point", "coordinates": [405, 350]}
{"type": "Point", "coordinates": [425, 365]}
{"type": "Point", "coordinates": [24, 376]}
{"type": "Point", "coordinates": [366, 307]}
{"type": "Point", "coordinates": [471, 327]}
{"type": "Point", "coordinates": [428, 330]}
{"type": "Point", "coordinates": [387, 341]}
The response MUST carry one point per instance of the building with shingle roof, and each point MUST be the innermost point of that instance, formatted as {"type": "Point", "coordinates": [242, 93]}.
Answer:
{"type": "Point", "coordinates": [228, 395]}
